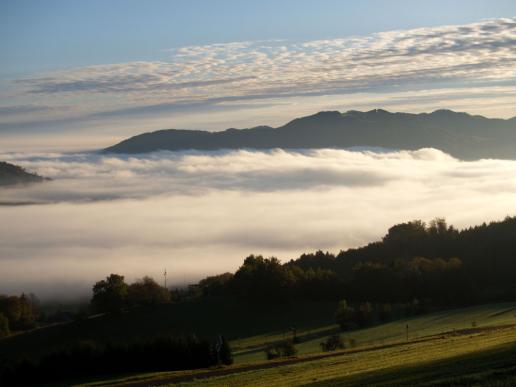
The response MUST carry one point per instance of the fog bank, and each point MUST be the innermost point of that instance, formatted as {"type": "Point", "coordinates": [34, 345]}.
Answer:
{"type": "Point", "coordinates": [201, 213]}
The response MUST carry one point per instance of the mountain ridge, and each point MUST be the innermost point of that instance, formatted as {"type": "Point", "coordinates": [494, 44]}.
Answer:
{"type": "Point", "coordinates": [460, 134]}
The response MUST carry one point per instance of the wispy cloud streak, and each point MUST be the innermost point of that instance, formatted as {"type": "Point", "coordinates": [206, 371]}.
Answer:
{"type": "Point", "coordinates": [483, 50]}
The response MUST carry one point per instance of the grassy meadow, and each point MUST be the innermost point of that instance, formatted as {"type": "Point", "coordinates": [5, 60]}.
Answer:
{"type": "Point", "coordinates": [467, 346]}
{"type": "Point", "coordinates": [419, 326]}
{"type": "Point", "coordinates": [465, 359]}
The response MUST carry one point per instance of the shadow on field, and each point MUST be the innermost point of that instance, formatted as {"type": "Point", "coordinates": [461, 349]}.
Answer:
{"type": "Point", "coordinates": [205, 318]}
{"type": "Point", "coordinates": [494, 367]}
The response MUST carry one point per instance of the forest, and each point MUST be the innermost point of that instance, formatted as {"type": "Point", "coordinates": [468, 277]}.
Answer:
{"type": "Point", "coordinates": [415, 267]}
{"type": "Point", "coordinates": [434, 265]}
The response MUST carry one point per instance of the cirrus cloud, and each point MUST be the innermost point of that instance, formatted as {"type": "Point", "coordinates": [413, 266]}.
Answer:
{"type": "Point", "coordinates": [484, 50]}
{"type": "Point", "coordinates": [474, 58]}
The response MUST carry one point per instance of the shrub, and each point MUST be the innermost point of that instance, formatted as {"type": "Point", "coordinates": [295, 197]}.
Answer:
{"type": "Point", "coordinates": [271, 353]}
{"type": "Point", "coordinates": [332, 343]}
{"type": "Point", "coordinates": [283, 349]}
{"type": "Point", "coordinates": [289, 349]}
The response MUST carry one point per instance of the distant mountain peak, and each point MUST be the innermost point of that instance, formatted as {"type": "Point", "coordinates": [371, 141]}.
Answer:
{"type": "Point", "coordinates": [378, 111]}
{"type": "Point", "coordinates": [459, 134]}
{"type": "Point", "coordinates": [322, 115]}
{"type": "Point", "coordinates": [327, 113]}
{"type": "Point", "coordinates": [443, 111]}
{"type": "Point", "coordinates": [448, 113]}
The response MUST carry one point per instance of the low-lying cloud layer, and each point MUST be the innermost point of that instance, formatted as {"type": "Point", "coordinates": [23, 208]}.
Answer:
{"type": "Point", "coordinates": [202, 213]}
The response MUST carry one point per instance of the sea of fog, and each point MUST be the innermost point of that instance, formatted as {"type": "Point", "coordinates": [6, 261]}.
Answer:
{"type": "Point", "coordinates": [201, 213]}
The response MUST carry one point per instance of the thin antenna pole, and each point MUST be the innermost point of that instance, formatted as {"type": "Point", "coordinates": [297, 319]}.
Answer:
{"type": "Point", "coordinates": [165, 275]}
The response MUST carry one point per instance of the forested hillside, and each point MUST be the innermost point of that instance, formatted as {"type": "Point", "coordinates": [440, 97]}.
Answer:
{"type": "Point", "coordinates": [435, 264]}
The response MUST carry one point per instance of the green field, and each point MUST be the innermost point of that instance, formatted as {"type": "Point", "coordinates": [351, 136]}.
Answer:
{"type": "Point", "coordinates": [478, 343]}
{"type": "Point", "coordinates": [419, 326]}
{"type": "Point", "coordinates": [479, 356]}
{"type": "Point", "coordinates": [456, 347]}
{"type": "Point", "coordinates": [443, 360]}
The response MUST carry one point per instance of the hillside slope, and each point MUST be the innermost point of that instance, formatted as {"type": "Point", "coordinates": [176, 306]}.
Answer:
{"type": "Point", "coordinates": [11, 174]}
{"type": "Point", "coordinates": [231, 319]}
{"type": "Point", "coordinates": [484, 355]}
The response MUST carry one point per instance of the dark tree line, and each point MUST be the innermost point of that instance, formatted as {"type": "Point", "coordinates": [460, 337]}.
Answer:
{"type": "Point", "coordinates": [89, 359]}
{"type": "Point", "coordinates": [434, 264]}
{"type": "Point", "coordinates": [362, 314]}
{"type": "Point", "coordinates": [20, 313]}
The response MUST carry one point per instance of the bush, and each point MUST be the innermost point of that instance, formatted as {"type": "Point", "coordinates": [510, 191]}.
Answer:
{"type": "Point", "coordinates": [289, 349]}
{"type": "Point", "coordinates": [332, 343]}
{"type": "Point", "coordinates": [271, 353]}
{"type": "Point", "coordinates": [283, 349]}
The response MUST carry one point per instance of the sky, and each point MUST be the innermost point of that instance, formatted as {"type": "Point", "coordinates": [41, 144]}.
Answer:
{"type": "Point", "coordinates": [85, 74]}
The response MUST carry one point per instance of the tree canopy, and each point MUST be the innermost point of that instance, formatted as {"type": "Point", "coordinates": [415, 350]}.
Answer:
{"type": "Point", "coordinates": [434, 263]}
{"type": "Point", "coordinates": [109, 295]}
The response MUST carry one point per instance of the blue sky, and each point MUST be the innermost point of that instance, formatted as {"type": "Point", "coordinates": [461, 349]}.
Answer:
{"type": "Point", "coordinates": [107, 69]}
{"type": "Point", "coordinates": [41, 35]}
